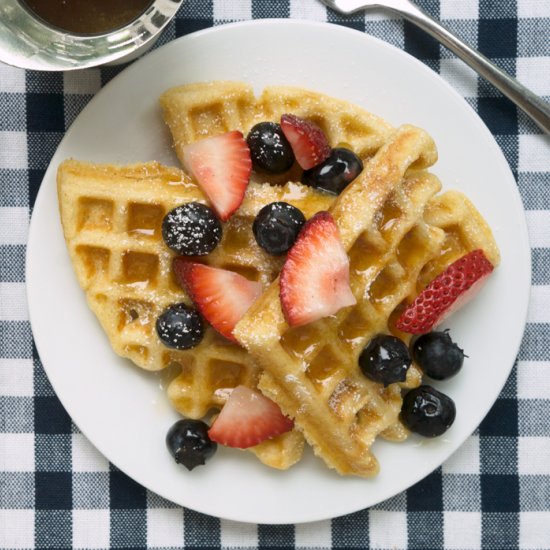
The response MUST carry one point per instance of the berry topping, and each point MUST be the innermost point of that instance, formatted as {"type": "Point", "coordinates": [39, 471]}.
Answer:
{"type": "Point", "coordinates": [385, 359]}
{"type": "Point", "coordinates": [189, 444]}
{"type": "Point", "coordinates": [221, 165]}
{"type": "Point", "coordinates": [437, 355]}
{"type": "Point", "coordinates": [427, 411]}
{"type": "Point", "coordinates": [446, 293]}
{"type": "Point", "coordinates": [269, 148]}
{"type": "Point", "coordinates": [180, 327]}
{"type": "Point", "coordinates": [191, 229]}
{"type": "Point", "coordinates": [276, 227]}
{"type": "Point", "coordinates": [315, 276]}
{"type": "Point", "coordinates": [307, 140]}
{"type": "Point", "coordinates": [336, 172]}
{"type": "Point", "coordinates": [221, 296]}
{"type": "Point", "coordinates": [247, 419]}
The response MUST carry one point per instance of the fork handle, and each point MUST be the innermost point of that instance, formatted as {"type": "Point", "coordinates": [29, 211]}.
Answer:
{"type": "Point", "coordinates": [526, 100]}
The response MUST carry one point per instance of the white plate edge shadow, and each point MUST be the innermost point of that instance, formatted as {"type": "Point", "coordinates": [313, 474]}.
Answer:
{"type": "Point", "coordinates": [33, 288]}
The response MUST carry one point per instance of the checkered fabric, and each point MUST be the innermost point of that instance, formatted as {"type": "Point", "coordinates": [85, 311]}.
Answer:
{"type": "Point", "coordinates": [57, 491]}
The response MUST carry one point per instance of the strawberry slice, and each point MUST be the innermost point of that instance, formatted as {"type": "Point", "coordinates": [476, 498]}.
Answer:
{"type": "Point", "coordinates": [309, 143]}
{"type": "Point", "coordinates": [315, 276]}
{"type": "Point", "coordinates": [247, 419]}
{"type": "Point", "coordinates": [221, 165]}
{"type": "Point", "coordinates": [222, 297]}
{"type": "Point", "coordinates": [446, 293]}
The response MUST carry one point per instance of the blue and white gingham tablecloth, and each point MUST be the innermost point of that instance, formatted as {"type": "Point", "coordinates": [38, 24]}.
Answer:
{"type": "Point", "coordinates": [57, 491]}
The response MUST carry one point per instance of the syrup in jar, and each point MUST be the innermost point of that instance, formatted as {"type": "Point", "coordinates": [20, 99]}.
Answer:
{"type": "Point", "coordinates": [87, 16]}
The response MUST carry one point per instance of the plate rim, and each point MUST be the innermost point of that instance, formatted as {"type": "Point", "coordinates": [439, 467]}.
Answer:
{"type": "Point", "coordinates": [177, 43]}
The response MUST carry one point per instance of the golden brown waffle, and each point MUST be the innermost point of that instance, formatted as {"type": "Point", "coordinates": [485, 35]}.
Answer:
{"type": "Point", "coordinates": [396, 240]}
{"type": "Point", "coordinates": [111, 217]}
{"type": "Point", "coordinates": [199, 110]}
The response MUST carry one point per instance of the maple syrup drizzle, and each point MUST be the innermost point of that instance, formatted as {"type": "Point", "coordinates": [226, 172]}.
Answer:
{"type": "Point", "coordinates": [87, 16]}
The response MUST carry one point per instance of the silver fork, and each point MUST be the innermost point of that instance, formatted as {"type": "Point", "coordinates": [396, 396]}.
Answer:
{"type": "Point", "coordinates": [524, 98]}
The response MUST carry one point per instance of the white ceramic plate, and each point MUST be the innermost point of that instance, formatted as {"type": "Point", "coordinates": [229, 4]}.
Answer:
{"type": "Point", "coordinates": [124, 412]}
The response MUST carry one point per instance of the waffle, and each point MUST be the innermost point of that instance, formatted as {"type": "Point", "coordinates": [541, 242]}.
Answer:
{"type": "Point", "coordinates": [398, 237]}
{"type": "Point", "coordinates": [200, 110]}
{"type": "Point", "coordinates": [111, 218]}
{"type": "Point", "coordinates": [112, 215]}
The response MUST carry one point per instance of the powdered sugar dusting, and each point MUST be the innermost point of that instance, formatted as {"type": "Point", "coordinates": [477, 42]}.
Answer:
{"type": "Point", "coordinates": [191, 229]}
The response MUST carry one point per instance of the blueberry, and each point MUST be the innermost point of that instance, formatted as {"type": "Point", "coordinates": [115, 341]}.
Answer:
{"type": "Point", "coordinates": [336, 172]}
{"type": "Point", "coordinates": [180, 327]}
{"type": "Point", "coordinates": [385, 359]}
{"type": "Point", "coordinates": [437, 355]}
{"type": "Point", "coordinates": [269, 149]}
{"type": "Point", "coordinates": [276, 227]}
{"type": "Point", "coordinates": [188, 442]}
{"type": "Point", "coordinates": [191, 229]}
{"type": "Point", "coordinates": [427, 411]}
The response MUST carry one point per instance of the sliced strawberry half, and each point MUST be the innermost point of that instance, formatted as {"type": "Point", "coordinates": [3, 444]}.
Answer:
{"type": "Point", "coordinates": [222, 297]}
{"type": "Point", "coordinates": [314, 280]}
{"type": "Point", "coordinates": [221, 165]}
{"type": "Point", "coordinates": [309, 143]}
{"type": "Point", "coordinates": [446, 293]}
{"type": "Point", "coordinates": [247, 419]}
